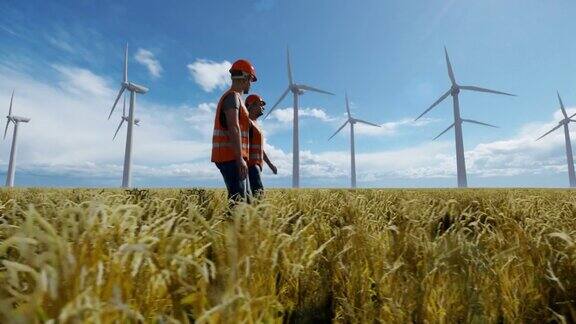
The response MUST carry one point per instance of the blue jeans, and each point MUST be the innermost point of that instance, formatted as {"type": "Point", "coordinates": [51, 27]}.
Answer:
{"type": "Point", "coordinates": [255, 181]}
{"type": "Point", "coordinates": [236, 187]}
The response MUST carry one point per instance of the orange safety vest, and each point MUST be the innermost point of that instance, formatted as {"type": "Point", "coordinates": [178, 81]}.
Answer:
{"type": "Point", "coordinates": [222, 150]}
{"type": "Point", "coordinates": [256, 156]}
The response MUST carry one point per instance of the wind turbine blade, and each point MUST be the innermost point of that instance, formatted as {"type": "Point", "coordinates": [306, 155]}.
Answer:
{"type": "Point", "coordinates": [447, 129]}
{"type": "Point", "coordinates": [572, 116]}
{"type": "Point", "coordinates": [367, 123]}
{"type": "Point", "coordinates": [116, 101]}
{"type": "Point", "coordinates": [126, 64]}
{"type": "Point", "coordinates": [473, 88]}
{"type": "Point", "coordinates": [290, 80]}
{"type": "Point", "coordinates": [6, 128]}
{"type": "Point", "coordinates": [450, 71]}
{"type": "Point", "coordinates": [347, 106]}
{"type": "Point", "coordinates": [339, 129]}
{"type": "Point", "coordinates": [562, 106]}
{"type": "Point", "coordinates": [550, 131]}
{"type": "Point", "coordinates": [278, 102]}
{"type": "Point", "coordinates": [118, 129]}
{"type": "Point", "coordinates": [477, 122]}
{"type": "Point", "coordinates": [309, 88]}
{"type": "Point", "coordinates": [11, 101]}
{"type": "Point", "coordinates": [434, 104]}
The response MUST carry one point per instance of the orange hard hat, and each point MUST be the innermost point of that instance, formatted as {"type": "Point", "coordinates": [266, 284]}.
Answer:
{"type": "Point", "coordinates": [245, 67]}
{"type": "Point", "coordinates": [254, 98]}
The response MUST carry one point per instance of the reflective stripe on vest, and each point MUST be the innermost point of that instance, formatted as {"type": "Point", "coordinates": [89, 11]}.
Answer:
{"type": "Point", "coordinates": [222, 147]}
{"type": "Point", "coordinates": [228, 144]}
{"type": "Point", "coordinates": [219, 132]}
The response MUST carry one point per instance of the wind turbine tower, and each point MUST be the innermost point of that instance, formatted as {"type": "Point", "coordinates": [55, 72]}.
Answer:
{"type": "Point", "coordinates": [352, 121]}
{"type": "Point", "coordinates": [133, 89]}
{"type": "Point", "coordinates": [297, 90]}
{"type": "Point", "coordinates": [564, 122]}
{"type": "Point", "coordinates": [124, 119]}
{"type": "Point", "coordinates": [454, 91]}
{"type": "Point", "coordinates": [16, 120]}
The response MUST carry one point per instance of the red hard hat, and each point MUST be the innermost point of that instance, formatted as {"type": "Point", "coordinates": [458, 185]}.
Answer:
{"type": "Point", "coordinates": [254, 98]}
{"type": "Point", "coordinates": [246, 67]}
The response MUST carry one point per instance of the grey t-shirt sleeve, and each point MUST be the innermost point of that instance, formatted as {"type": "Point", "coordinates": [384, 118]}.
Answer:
{"type": "Point", "coordinates": [231, 101]}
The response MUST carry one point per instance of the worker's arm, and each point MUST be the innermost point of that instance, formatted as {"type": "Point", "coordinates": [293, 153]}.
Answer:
{"type": "Point", "coordinates": [270, 165]}
{"type": "Point", "coordinates": [236, 137]}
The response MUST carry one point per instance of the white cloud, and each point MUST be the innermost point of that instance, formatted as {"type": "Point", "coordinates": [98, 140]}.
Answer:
{"type": "Point", "coordinates": [201, 118]}
{"type": "Point", "coordinates": [391, 128]}
{"type": "Point", "coordinates": [522, 154]}
{"type": "Point", "coordinates": [61, 44]}
{"type": "Point", "coordinates": [81, 81]}
{"type": "Point", "coordinates": [147, 58]}
{"type": "Point", "coordinates": [286, 115]}
{"type": "Point", "coordinates": [69, 134]}
{"type": "Point", "coordinates": [210, 75]}
{"type": "Point", "coordinates": [424, 161]}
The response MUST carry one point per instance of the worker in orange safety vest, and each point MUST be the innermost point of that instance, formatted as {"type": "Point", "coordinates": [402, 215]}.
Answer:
{"type": "Point", "coordinates": [230, 136]}
{"type": "Point", "coordinates": [256, 153]}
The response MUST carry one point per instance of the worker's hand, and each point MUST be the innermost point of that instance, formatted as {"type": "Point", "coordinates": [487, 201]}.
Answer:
{"type": "Point", "coordinates": [242, 169]}
{"type": "Point", "coordinates": [273, 167]}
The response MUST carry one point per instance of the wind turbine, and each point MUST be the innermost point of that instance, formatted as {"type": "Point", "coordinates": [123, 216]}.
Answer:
{"type": "Point", "coordinates": [16, 120]}
{"type": "Point", "coordinates": [454, 91]}
{"type": "Point", "coordinates": [297, 90]}
{"type": "Point", "coordinates": [125, 119]}
{"type": "Point", "coordinates": [564, 122]}
{"type": "Point", "coordinates": [352, 121]}
{"type": "Point", "coordinates": [134, 89]}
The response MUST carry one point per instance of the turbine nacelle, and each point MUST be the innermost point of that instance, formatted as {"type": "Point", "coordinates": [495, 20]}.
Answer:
{"type": "Point", "coordinates": [454, 90]}
{"type": "Point", "coordinates": [18, 119]}
{"type": "Point", "coordinates": [13, 119]}
{"type": "Point", "coordinates": [351, 120]}
{"type": "Point", "coordinates": [564, 122]}
{"type": "Point", "coordinates": [136, 120]}
{"type": "Point", "coordinates": [295, 89]}
{"type": "Point", "coordinates": [127, 85]}
{"type": "Point", "coordinates": [136, 88]}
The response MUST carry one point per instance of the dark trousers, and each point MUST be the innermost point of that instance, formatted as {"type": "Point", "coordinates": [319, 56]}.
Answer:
{"type": "Point", "coordinates": [236, 186]}
{"type": "Point", "coordinates": [255, 181]}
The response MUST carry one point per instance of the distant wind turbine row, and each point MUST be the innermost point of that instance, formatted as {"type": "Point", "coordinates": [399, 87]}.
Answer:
{"type": "Point", "coordinates": [298, 90]}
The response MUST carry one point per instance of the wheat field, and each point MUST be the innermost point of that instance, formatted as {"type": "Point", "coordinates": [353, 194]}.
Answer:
{"type": "Point", "coordinates": [305, 256]}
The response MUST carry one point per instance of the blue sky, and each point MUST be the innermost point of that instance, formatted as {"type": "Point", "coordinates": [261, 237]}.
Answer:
{"type": "Point", "coordinates": [64, 58]}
